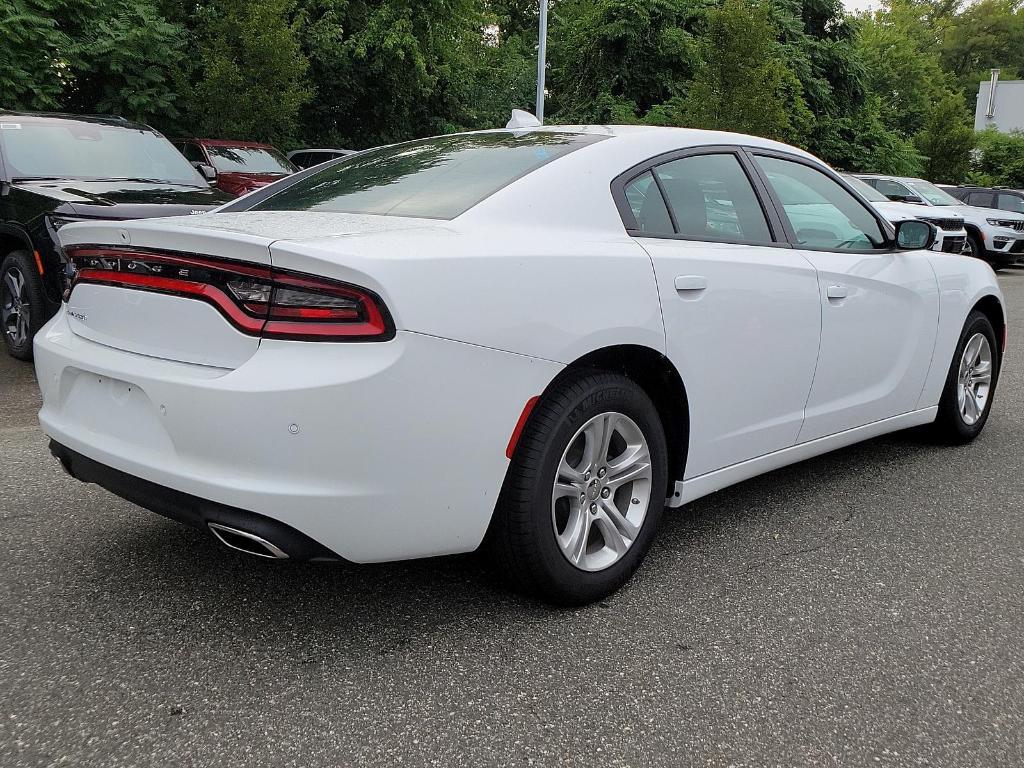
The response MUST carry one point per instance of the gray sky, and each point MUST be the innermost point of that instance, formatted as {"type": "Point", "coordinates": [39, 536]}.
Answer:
{"type": "Point", "coordinates": [860, 5]}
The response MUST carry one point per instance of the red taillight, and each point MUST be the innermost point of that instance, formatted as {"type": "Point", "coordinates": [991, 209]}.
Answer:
{"type": "Point", "coordinates": [257, 300]}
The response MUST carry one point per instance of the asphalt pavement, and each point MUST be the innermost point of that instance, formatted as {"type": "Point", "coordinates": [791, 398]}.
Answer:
{"type": "Point", "coordinates": [865, 608]}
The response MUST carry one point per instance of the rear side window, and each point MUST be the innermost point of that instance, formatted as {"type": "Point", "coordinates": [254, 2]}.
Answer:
{"type": "Point", "coordinates": [980, 199]}
{"type": "Point", "coordinates": [712, 199]}
{"type": "Point", "coordinates": [1013, 203]}
{"type": "Point", "coordinates": [648, 206]}
{"type": "Point", "coordinates": [193, 153]}
{"type": "Point", "coordinates": [892, 189]}
{"type": "Point", "coordinates": [436, 178]}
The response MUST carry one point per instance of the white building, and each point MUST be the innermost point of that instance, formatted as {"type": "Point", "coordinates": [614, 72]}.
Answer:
{"type": "Point", "coordinates": [1000, 104]}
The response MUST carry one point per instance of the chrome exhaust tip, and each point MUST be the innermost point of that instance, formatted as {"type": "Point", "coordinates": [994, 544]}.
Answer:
{"type": "Point", "coordinates": [249, 543]}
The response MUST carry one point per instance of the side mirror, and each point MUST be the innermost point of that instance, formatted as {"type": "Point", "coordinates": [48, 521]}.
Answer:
{"type": "Point", "coordinates": [208, 171]}
{"type": "Point", "coordinates": [914, 235]}
{"type": "Point", "coordinates": [912, 199]}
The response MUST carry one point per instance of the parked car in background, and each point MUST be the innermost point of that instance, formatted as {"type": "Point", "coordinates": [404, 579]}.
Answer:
{"type": "Point", "coordinates": [56, 169]}
{"type": "Point", "coordinates": [997, 238]}
{"type": "Point", "coordinates": [534, 339]}
{"type": "Point", "coordinates": [990, 197]}
{"type": "Point", "coordinates": [951, 235]}
{"type": "Point", "coordinates": [240, 166]}
{"type": "Point", "coordinates": [307, 158]}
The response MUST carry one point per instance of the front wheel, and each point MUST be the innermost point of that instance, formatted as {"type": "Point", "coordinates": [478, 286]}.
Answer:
{"type": "Point", "coordinates": [974, 248]}
{"type": "Point", "coordinates": [585, 490]}
{"type": "Point", "coordinates": [971, 382]}
{"type": "Point", "coordinates": [22, 305]}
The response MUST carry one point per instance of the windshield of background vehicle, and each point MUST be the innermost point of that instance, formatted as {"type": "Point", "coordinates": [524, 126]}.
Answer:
{"type": "Point", "coordinates": [249, 160]}
{"type": "Point", "coordinates": [933, 194]}
{"type": "Point", "coordinates": [436, 178]}
{"type": "Point", "coordinates": [68, 149]}
{"type": "Point", "coordinates": [866, 190]}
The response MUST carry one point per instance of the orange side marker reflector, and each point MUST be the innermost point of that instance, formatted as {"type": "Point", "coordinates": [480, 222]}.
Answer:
{"type": "Point", "coordinates": [512, 441]}
{"type": "Point", "coordinates": [39, 261]}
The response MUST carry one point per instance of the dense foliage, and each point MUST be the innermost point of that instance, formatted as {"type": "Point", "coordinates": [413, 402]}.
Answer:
{"type": "Point", "coordinates": [892, 90]}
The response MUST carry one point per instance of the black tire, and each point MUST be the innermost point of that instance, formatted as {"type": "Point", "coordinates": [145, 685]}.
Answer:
{"type": "Point", "coordinates": [975, 249]}
{"type": "Point", "coordinates": [20, 266]}
{"type": "Point", "coordinates": [950, 425]}
{"type": "Point", "coordinates": [522, 537]}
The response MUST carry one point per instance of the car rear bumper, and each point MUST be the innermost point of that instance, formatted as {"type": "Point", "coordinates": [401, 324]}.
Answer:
{"type": "Point", "coordinates": [185, 508]}
{"type": "Point", "coordinates": [375, 451]}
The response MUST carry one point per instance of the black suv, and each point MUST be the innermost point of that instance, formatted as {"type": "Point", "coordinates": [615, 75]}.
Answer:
{"type": "Point", "coordinates": [990, 197]}
{"type": "Point", "coordinates": [57, 169]}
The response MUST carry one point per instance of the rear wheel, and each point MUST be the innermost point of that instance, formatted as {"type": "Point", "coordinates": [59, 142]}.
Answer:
{"type": "Point", "coordinates": [22, 306]}
{"type": "Point", "coordinates": [971, 382]}
{"type": "Point", "coordinates": [585, 490]}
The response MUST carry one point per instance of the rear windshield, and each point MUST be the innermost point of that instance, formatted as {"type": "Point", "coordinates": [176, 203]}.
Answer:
{"type": "Point", "coordinates": [436, 178]}
{"type": "Point", "coordinates": [69, 149]}
{"type": "Point", "coordinates": [249, 160]}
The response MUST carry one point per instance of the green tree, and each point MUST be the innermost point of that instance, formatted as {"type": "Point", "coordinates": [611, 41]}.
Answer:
{"type": "Point", "coordinates": [742, 83]}
{"type": "Point", "coordinates": [1000, 159]}
{"type": "Point", "coordinates": [614, 60]}
{"type": "Point", "coordinates": [250, 81]}
{"type": "Point", "coordinates": [31, 70]}
{"type": "Point", "coordinates": [946, 140]}
{"type": "Point", "coordinates": [516, 18]}
{"type": "Point", "coordinates": [124, 60]}
{"type": "Point", "coordinates": [903, 66]}
{"type": "Point", "coordinates": [986, 34]}
{"type": "Point", "coordinates": [391, 69]}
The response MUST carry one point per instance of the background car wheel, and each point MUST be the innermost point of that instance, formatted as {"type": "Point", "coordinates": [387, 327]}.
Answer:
{"type": "Point", "coordinates": [585, 490]}
{"type": "Point", "coordinates": [974, 247]}
{"type": "Point", "coordinates": [22, 307]}
{"type": "Point", "coordinates": [971, 383]}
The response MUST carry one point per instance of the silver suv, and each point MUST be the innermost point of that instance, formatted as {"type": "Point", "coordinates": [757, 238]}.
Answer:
{"type": "Point", "coordinates": [996, 236]}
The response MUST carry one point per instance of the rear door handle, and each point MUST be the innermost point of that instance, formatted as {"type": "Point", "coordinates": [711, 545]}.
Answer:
{"type": "Point", "coordinates": [836, 292]}
{"type": "Point", "coordinates": [691, 283]}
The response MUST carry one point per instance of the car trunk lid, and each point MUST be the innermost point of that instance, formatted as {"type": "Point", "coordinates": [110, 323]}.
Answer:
{"type": "Point", "coordinates": [138, 286]}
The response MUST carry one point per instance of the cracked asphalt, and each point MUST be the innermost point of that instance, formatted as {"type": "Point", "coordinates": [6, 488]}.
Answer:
{"type": "Point", "coordinates": [861, 609]}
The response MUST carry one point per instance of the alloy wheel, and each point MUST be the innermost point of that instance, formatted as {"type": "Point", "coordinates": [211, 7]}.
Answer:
{"type": "Point", "coordinates": [974, 382]}
{"type": "Point", "coordinates": [602, 491]}
{"type": "Point", "coordinates": [14, 307]}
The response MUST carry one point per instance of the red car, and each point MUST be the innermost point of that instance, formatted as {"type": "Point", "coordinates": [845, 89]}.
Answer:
{"type": "Point", "coordinates": [236, 167]}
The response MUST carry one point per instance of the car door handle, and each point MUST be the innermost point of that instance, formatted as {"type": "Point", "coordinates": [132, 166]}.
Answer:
{"type": "Point", "coordinates": [691, 283]}
{"type": "Point", "coordinates": [836, 292]}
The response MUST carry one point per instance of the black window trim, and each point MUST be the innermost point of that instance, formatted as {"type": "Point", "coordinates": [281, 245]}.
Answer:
{"type": "Point", "coordinates": [623, 180]}
{"type": "Point", "coordinates": [887, 229]}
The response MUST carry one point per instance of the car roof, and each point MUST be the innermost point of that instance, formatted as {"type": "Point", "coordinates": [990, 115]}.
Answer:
{"type": "Point", "coordinates": [669, 138]}
{"type": "Point", "coordinates": [44, 117]}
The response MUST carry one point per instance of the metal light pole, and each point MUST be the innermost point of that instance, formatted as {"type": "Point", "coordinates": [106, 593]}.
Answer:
{"type": "Point", "coordinates": [542, 59]}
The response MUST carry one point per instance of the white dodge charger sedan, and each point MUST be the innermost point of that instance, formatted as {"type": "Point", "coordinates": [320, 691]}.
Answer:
{"type": "Point", "coordinates": [531, 339]}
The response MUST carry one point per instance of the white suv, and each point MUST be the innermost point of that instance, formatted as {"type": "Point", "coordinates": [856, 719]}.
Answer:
{"type": "Point", "coordinates": [950, 236]}
{"type": "Point", "coordinates": [996, 236]}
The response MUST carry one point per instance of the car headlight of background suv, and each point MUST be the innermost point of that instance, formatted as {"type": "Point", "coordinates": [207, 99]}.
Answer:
{"type": "Point", "coordinates": [1007, 223]}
